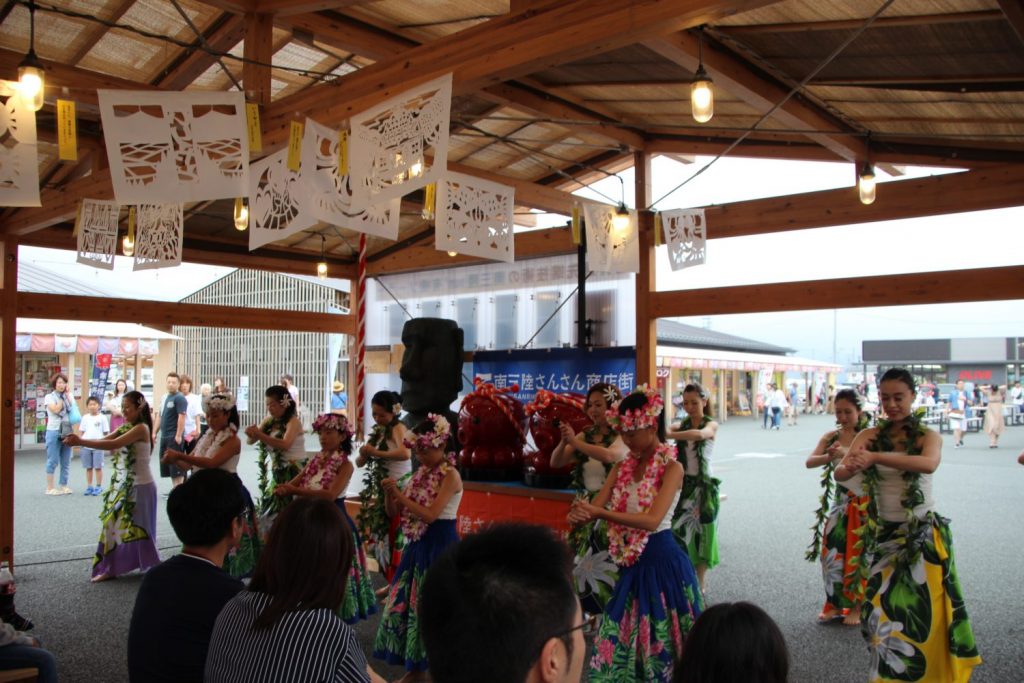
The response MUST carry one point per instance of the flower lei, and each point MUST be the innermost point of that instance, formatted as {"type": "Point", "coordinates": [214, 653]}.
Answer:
{"type": "Point", "coordinates": [423, 488]}
{"type": "Point", "coordinates": [707, 484]}
{"type": "Point", "coordinates": [626, 543]}
{"type": "Point", "coordinates": [325, 464]}
{"type": "Point", "coordinates": [373, 521]}
{"type": "Point", "coordinates": [436, 438]}
{"type": "Point", "coordinates": [270, 459]}
{"type": "Point", "coordinates": [211, 441]}
{"type": "Point", "coordinates": [594, 436]}
{"type": "Point", "coordinates": [813, 553]}
{"type": "Point", "coordinates": [338, 423]}
{"type": "Point", "coordinates": [638, 418]}
{"type": "Point", "coordinates": [910, 552]}
{"type": "Point", "coordinates": [118, 493]}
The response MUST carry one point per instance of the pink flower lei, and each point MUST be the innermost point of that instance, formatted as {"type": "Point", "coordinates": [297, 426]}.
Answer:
{"type": "Point", "coordinates": [339, 423]}
{"type": "Point", "coordinates": [320, 471]}
{"type": "Point", "coordinates": [638, 418]}
{"type": "Point", "coordinates": [436, 438]}
{"type": "Point", "coordinates": [627, 543]}
{"type": "Point", "coordinates": [423, 488]}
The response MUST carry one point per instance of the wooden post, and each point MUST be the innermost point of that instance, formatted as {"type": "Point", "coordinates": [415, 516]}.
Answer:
{"type": "Point", "coordinates": [8, 317]}
{"type": "Point", "coordinates": [646, 332]}
{"type": "Point", "coordinates": [258, 46]}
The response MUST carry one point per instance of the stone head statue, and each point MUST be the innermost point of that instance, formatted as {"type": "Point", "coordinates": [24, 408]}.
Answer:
{"type": "Point", "coordinates": [431, 369]}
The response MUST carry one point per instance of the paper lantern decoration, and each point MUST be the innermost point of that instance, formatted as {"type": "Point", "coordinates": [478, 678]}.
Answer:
{"type": "Point", "coordinates": [611, 247]}
{"type": "Point", "coordinates": [159, 236]}
{"type": "Point", "coordinates": [277, 201]}
{"type": "Point", "coordinates": [19, 165]}
{"type": "Point", "coordinates": [686, 236]}
{"type": "Point", "coordinates": [475, 217]}
{"type": "Point", "coordinates": [97, 233]}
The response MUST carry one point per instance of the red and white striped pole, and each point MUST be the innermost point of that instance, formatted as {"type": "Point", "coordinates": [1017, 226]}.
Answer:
{"type": "Point", "coordinates": [360, 337]}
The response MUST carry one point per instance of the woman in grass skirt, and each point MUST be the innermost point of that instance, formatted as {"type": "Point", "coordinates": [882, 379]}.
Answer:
{"type": "Point", "coordinates": [282, 452]}
{"type": "Point", "coordinates": [128, 538]}
{"type": "Point", "coordinates": [837, 544]}
{"type": "Point", "coordinates": [592, 453]}
{"type": "Point", "coordinates": [695, 521]}
{"type": "Point", "coordinates": [327, 475]}
{"type": "Point", "coordinates": [428, 506]}
{"type": "Point", "coordinates": [219, 448]}
{"type": "Point", "coordinates": [656, 599]}
{"type": "Point", "coordinates": [913, 616]}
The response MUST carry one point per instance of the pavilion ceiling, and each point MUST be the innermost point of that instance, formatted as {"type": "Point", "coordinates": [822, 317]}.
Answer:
{"type": "Point", "coordinates": [931, 81]}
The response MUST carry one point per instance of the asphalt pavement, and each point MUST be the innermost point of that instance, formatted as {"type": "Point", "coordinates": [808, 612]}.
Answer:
{"type": "Point", "coordinates": [763, 533]}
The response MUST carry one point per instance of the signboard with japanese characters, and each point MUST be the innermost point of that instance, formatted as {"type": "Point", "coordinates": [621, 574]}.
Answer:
{"type": "Point", "coordinates": [557, 370]}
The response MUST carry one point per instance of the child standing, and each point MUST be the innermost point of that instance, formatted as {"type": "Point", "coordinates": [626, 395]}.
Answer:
{"type": "Point", "coordinates": [656, 599]}
{"type": "Point", "coordinates": [695, 521]}
{"type": "Point", "coordinates": [94, 426]}
{"type": "Point", "coordinates": [428, 507]}
{"type": "Point", "coordinates": [327, 475]}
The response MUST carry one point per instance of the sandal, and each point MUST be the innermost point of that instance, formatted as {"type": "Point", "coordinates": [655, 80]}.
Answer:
{"type": "Point", "coordinates": [101, 578]}
{"type": "Point", "coordinates": [852, 619]}
{"type": "Point", "coordinates": [53, 492]}
{"type": "Point", "coordinates": [829, 617]}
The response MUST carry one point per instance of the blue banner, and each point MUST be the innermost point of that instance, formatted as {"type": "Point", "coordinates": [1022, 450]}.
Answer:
{"type": "Point", "coordinates": [557, 370]}
{"type": "Point", "coordinates": [100, 371]}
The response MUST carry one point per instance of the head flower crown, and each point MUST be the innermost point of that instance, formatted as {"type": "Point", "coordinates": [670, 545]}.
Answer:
{"type": "Point", "coordinates": [339, 423]}
{"type": "Point", "coordinates": [223, 402]}
{"type": "Point", "coordinates": [638, 418]}
{"type": "Point", "coordinates": [436, 438]}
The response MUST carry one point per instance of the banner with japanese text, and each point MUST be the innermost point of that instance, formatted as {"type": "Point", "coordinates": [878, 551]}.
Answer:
{"type": "Point", "coordinates": [557, 370]}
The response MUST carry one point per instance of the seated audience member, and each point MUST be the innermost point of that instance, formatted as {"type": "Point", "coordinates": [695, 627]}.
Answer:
{"type": "Point", "coordinates": [500, 607]}
{"type": "Point", "coordinates": [733, 642]}
{"type": "Point", "coordinates": [21, 651]}
{"type": "Point", "coordinates": [179, 600]}
{"type": "Point", "coordinates": [285, 627]}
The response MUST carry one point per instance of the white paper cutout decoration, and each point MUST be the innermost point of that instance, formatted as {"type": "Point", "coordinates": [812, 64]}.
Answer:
{"type": "Point", "coordinates": [159, 236]}
{"type": "Point", "coordinates": [475, 217]}
{"type": "Point", "coordinates": [390, 143]}
{"type": "Point", "coordinates": [19, 163]}
{"type": "Point", "coordinates": [97, 233]}
{"type": "Point", "coordinates": [686, 237]}
{"type": "Point", "coordinates": [331, 196]}
{"type": "Point", "coordinates": [278, 201]}
{"type": "Point", "coordinates": [175, 146]}
{"type": "Point", "coordinates": [611, 249]}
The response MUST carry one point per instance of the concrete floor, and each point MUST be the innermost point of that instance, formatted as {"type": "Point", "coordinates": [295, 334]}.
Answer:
{"type": "Point", "coordinates": [763, 534]}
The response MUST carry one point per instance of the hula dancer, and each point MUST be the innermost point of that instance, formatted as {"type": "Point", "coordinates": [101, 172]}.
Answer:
{"type": "Point", "coordinates": [385, 457]}
{"type": "Point", "coordinates": [327, 475]}
{"type": "Point", "coordinates": [282, 451]}
{"type": "Point", "coordinates": [838, 547]}
{"type": "Point", "coordinates": [219, 448]}
{"type": "Point", "coordinates": [592, 452]}
{"type": "Point", "coordinates": [656, 599]}
{"type": "Point", "coordinates": [695, 522]}
{"type": "Point", "coordinates": [428, 506]}
{"type": "Point", "coordinates": [913, 614]}
{"type": "Point", "coordinates": [127, 540]}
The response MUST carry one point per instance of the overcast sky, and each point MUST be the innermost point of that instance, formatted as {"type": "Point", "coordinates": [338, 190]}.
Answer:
{"type": "Point", "coordinates": [947, 243]}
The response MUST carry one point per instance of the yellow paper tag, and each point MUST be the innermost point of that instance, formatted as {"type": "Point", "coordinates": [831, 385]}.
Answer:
{"type": "Point", "coordinates": [429, 201]}
{"type": "Point", "coordinates": [131, 224]}
{"type": "Point", "coordinates": [295, 147]}
{"type": "Point", "coordinates": [252, 119]}
{"type": "Point", "coordinates": [343, 152]}
{"type": "Point", "coordinates": [658, 230]}
{"type": "Point", "coordinates": [576, 224]}
{"type": "Point", "coordinates": [67, 131]}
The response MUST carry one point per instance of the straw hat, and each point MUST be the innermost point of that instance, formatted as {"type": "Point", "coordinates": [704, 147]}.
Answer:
{"type": "Point", "coordinates": [338, 386]}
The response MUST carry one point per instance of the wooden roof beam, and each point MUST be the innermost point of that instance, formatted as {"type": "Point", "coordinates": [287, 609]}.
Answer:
{"type": "Point", "coordinates": [498, 50]}
{"type": "Point", "coordinates": [258, 47]}
{"type": "Point", "coordinates": [226, 32]}
{"type": "Point", "coordinates": [97, 33]}
{"type": "Point", "coordinates": [1013, 11]}
{"type": "Point", "coordinates": [944, 287]}
{"type": "Point", "coordinates": [347, 34]}
{"type": "Point", "coordinates": [737, 76]}
{"type": "Point", "coordinates": [850, 24]}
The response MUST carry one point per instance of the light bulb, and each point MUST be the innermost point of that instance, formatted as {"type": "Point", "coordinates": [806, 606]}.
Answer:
{"type": "Point", "coordinates": [866, 184]}
{"type": "Point", "coordinates": [702, 97]}
{"type": "Point", "coordinates": [241, 214]}
{"type": "Point", "coordinates": [453, 254]}
{"type": "Point", "coordinates": [127, 246]}
{"type": "Point", "coordinates": [620, 221]}
{"type": "Point", "coordinates": [416, 170]}
{"type": "Point", "coordinates": [321, 270]}
{"type": "Point", "coordinates": [31, 83]}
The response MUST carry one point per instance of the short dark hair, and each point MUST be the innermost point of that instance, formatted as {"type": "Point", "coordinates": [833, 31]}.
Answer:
{"type": "Point", "coordinates": [637, 400]}
{"type": "Point", "coordinates": [851, 396]}
{"type": "Point", "coordinates": [899, 375]}
{"type": "Point", "coordinates": [174, 375]}
{"type": "Point", "coordinates": [92, 399]}
{"type": "Point", "coordinates": [202, 508]}
{"type": "Point", "coordinates": [491, 601]}
{"type": "Point", "coordinates": [185, 379]}
{"type": "Point", "coordinates": [306, 561]}
{"type": "Point", "coordinates": [59, 375]}
{"type": "Point", "coordinates": [733, 642]}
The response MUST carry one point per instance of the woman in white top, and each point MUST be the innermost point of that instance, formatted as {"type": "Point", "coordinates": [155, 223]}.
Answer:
{"type": "Point", "coordinates": [113, 404]}
{"type": "Point", "coordinates": [195, 408]}
{"type": "Point", "coordinates": [58, 410]}
{"type": "Point", "coordinates": [282, 451]}
{"type": "Point", "coordinates": [657, 598]}
{"type": "Point", "coordinates": [836, 543]}
{"type": "Point", "coordinates": [128, 538]}
{"type": "Point", "coordinates": [916, 623]}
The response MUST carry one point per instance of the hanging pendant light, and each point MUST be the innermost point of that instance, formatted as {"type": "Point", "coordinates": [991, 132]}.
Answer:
{"type": "Point", "coordinates": [620, 221]}
{"type": "Point", "coordinates": [241, 214]}
{"type": "Point", "coordinates": [31, 81]}
{"type": "Point", "coordinates": [866, 184]}
{"type": "Point", "coordinates": [321, 267]}
{"type": "Point", "coordinates": [702, 94]}
{"type": "Point", "coordinates": [127, 246]}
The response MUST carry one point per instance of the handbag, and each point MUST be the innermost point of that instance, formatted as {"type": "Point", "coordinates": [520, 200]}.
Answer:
{"type": "Point", "coordinates": [65, 428]}
{"type": "Point", "coordinates": [74, 416]}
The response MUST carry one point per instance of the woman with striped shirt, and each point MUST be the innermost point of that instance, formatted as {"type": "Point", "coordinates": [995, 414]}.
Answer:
{"type": "Point", "coordinates": [285, 628]}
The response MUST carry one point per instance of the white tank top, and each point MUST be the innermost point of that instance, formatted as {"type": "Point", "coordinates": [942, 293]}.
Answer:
{"type": "Point", "coordinates": [398, 468]}
{"type": "Point", "coordinates": [297, 451]}
{"type": "Point", "coordinates": [210, 442]}
{"type": "Point", "coordinates": [451, 510]}
{"type": "Point", "coordinates": [594, 474]}
{"type": "Point", "coordinates": [143, 452]}
{"type": "Point", "coordinates": [855, 484]}
{"type": "Point", "coordinates": [633, 506]}
{"type": "Point", "coordinates": [890, 492]}
{"type": "Point", "coordinates": [690, 452]}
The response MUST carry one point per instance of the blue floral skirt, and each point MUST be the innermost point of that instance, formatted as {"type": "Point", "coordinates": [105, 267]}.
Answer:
{"type": "Point", "coordinates": [360, 601]}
